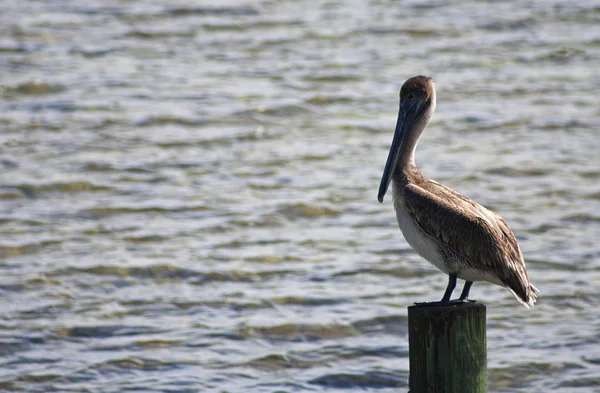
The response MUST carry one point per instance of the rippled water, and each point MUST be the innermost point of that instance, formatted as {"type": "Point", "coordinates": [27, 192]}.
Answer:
{"type": "Point", "coordinates": [188, 192]}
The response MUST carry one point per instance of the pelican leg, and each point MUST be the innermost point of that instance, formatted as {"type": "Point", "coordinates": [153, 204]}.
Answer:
{"type": "Point", "coordinates": [449, 288]}
{"type": "Point", "coordinates": [465, 292]}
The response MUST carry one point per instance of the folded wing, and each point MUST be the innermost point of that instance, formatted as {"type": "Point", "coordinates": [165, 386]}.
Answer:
{"type": "Point", "coordinates": [476, 235]}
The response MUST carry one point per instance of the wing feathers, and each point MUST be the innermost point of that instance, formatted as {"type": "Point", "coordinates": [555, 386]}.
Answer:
{"type": "Point", "coordinates": [481, 239]}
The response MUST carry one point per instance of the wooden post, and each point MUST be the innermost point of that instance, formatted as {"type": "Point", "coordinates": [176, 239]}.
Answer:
{"type": "Point", "coordinates": [447, 348]}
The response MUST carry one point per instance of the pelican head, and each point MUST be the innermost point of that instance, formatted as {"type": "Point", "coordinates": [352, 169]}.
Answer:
{"type": "Point", "coordinates": [417, 103]}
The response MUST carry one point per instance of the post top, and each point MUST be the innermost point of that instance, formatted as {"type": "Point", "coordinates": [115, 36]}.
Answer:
{"type": "Point", "coordinates": [451, 305]}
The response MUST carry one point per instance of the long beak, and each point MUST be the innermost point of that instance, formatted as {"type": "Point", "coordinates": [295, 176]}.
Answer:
{"type": "Point", "coordinates": [406, 119]}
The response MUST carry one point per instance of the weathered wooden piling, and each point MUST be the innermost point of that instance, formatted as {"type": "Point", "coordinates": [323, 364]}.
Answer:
{"type": "Point", "coordinates": [447, 348]}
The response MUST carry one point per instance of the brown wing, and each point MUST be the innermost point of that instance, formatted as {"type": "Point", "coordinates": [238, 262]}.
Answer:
{"type": "Point", "coordinates": [517, 278]}
{"type": "Point", "coordinates": [476, 235]}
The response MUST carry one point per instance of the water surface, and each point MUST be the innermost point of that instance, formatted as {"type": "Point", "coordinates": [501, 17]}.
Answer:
{"type": "Point", "coordinates": [188, 192]}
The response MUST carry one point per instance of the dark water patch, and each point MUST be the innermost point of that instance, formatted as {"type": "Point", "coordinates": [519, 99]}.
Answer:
{"type": "Point", "coordinates": [90, 9]}
{"type": "Point", "coordinates": [564, 193]}
{"type": "Point", "coordinates": [589, 174]}
{"type": "Point", "coordinates": [375, 222]}
{"type": "Point", "coordinates": [366, 380]}
{"type": "Point", "coordinates": [143, 178]}
{"type": "Point", "coordinates": [336, 78]}
{"type": "Point", "coordinates": [591, 360]}
{"type": "Point", "coordinates": [213, 11]}
{"type": "Point", "coordinates": [270, 259]}
{"type": "Point", "coordinates": [413, 32]}
{"type": "Point", "coordinates": [105, 331]}
{"type": "Point", "coordinates": [8, 250]}
{"type": "Point", "coordinates": [138, 302]}
{"type": "Point", "coordinates": [271, 363]}
{"type": "Point", "coordinates": [151, 35]}
{"type": "Point", "coordinates": [430, 5]}
{"type": "Point", "coordinates": [308, 301]}
{"type": "Point", "coordinates": [581, 218]}
{"type": "Point", "coordinates": [561, 125]}
{"type": "Point", "coordinates": [401, 272]}
{"type": "Point", "coordinates": [8, 164]}
{"type": "Point", "coordinates": [523, 375]}
{"type": "Point", "coordinates": [145, 239]}
{"type": "Point", "coordinates": [11, 346]}
{"type": "Point", "coordinates": [158, 343]}
{"type": "Point", "coordinates": [135, 364]}
{"type": "Point", "coordinates": [275, 362]}
{"type": "Point", "coordinates": [176, 144]}
{"type": "Point", "coordinates": [553, 265]}
{"type": "Point", "coordinates": [169, 272]}
{"type": "Point", "coordinates": [157, 308]}
{"type": "Point", "coordinates": [35, 125]}
{"type": "Point", "coordinates": [45, 311]}
{"type": "Point", "coordinates": [13, 287]}
{"type": "Point", "coordinates": [544, 228]}
{"type": "Point", "coordinates": [424, 32]}
{"type": "Point", "coordinates": [234, 244]}
{"type": "Point", "coordinates": [97, 167]}
{"type": "Point", "coordinates": [91, 53]}
{"type": "Point", "coordinates": [322, 100]}
{"type": "Point", "coordinates": [297, 332]}
{"type": "Point", "coordinates": [104, 124]}
{"type": "Point", "coordinates": [37, 360]}
{"type": "Point", "coordinates": [11, 48]}
{"type": "Point", "coordinates": [11, 386]}
{"type": "Point", "coordinates": [234, 336]}
{"type": "Point", "coordinates": [229, 26]}
{"type": "Point", "coordinates": [107, 211]}
{"type": "Point", "coordinates": [232, 304]}
{"type": "Point", "coordinates": [104, 230]}
{"type": "Point", "coordinates": [263, 186]}
{"type": "Point", "coordinates": [511, 25]}
{"type": "Point", "coordinates": [561, 55]}
{"type": "Point", "coordinates": [381, 30]}
{"type": "Point", "coordinates": [359, 128]}
{"type": "Point", "coordinates": [260, 24]}
{"type": "Point", "coordinates": [285, 111]}
{"type": "Point", "coordinates": [346, 352]}
{"type": "Point", "coordinates": [484, 125]}
{"type": "Point", "coordinates": [39, 105]}
{"type": "Point", "coordinates": [249, 130]}
{"type": "Point", "coordinates": [392, 251]}
{"type": "Point", "coordinates": [270, 163]}
{"type": "Point", "coordinates": [302, 210]}
{"type": "Point", "coordinates": [120, 271]}
{"type": "Point", "coordinates": [580, 382]}
{"type": "Point", "coordinates": [169, 120]}
{"type": "Point", "coordinates": [33, 88]}
{"type": "Point", "coordinates": [11, 194]}
{"type": "Point", "coordinates": [180, 164]}
{"type": "Point", "coordinates": [518, 172]}
{"type": "Point", "coordinates": [577, 300]}
{"type": "Point", "coordinates": [145, 169]}
{"type": "Point", "coordinates": [244, 276]}
{"type": "Point", "coordinates": [33, 190]}
{"type": "Point", "coordinates": [392, 324]}
{"type": "Point", "coordinates": [41, 377]}
{"type": "Point", "coordinates": [264, 221]}
{"type": "Point", "coordinates": [329, 245]}
{"type": "Point", "coordinates": [313, 157]}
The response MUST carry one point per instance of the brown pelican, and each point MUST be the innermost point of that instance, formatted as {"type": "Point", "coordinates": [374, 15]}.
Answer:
{"type": "Point", "coordinates": [457, 235]}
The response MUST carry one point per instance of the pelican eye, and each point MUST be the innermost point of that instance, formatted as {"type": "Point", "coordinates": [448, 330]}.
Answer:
{"type": "Point", "coordinates": [411, 96]}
